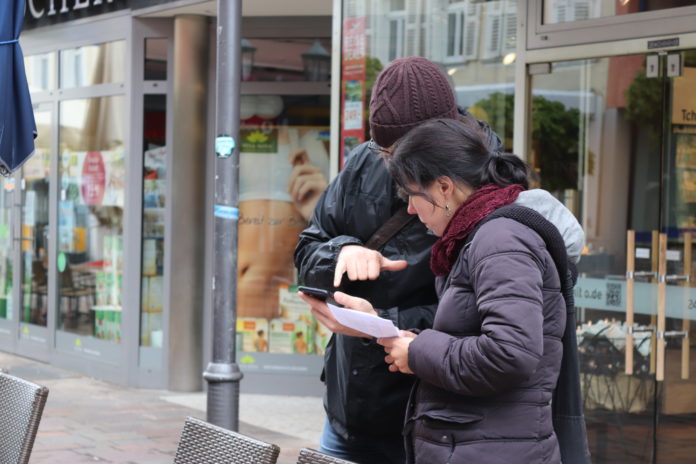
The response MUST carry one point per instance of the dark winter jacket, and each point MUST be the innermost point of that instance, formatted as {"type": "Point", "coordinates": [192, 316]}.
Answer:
{"type": "Point", "coordinates": [362, 396]}
{"type": "Point", "coordinates": [488, 367]}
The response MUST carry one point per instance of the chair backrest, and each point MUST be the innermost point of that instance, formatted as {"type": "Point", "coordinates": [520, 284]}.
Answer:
{"type": "Point", "coordinates": [205, 443]}
{"type": "Point", "coordinates": [310, 456]}
{"type": "Point", "coordinates": [21, 406]}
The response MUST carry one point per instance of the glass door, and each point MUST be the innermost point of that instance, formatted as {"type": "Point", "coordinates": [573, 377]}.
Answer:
{"type": "Point", "coordinates": [605, 141]}
{"type": "Point", "coordinates": [34, 228]}
{"type": "Point", "coordinates": [676, 340]}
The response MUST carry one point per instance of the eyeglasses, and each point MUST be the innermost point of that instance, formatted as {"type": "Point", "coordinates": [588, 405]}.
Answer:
{"type": "Point", "coordinates": [377, 150]}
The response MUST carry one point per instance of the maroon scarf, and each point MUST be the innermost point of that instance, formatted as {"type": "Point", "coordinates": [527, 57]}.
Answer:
{"type": "Point", "coordinates": [479, 205]}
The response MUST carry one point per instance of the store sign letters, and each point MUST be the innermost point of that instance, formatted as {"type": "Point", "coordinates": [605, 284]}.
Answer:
{"type": "Point", "coordinates": [45, 12]}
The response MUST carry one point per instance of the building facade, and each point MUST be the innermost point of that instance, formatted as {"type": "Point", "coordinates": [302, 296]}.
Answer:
{"type": "Point", "coordinates": [104, 261]}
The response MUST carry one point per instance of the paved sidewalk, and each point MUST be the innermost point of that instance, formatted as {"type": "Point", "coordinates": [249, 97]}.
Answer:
{"type": "Point", "coordinates": [87, 420]}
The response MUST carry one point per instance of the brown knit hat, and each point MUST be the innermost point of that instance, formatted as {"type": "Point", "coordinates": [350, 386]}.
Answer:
{"type": "Point", "coordinates": [406, 93]}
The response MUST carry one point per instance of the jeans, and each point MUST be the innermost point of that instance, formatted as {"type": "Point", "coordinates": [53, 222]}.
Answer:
{"type": "Point", "coordinates": [363, 450]}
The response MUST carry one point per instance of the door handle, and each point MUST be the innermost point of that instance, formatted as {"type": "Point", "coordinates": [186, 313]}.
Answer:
{"type": "Point", "coordinates": [686, 322]}
{"type": "Point", "coordinates": [662, 334]}
{"type": "Point", "coordinates": [630, 283]}
{"type": "Point", "coordinates": [661, 313]}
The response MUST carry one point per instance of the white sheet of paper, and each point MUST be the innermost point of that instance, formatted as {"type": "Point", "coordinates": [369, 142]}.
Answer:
{"type": "Point", "coordinates": [366, 323]}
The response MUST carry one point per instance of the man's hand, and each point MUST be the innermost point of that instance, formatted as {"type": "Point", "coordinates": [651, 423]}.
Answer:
{"type": "Point", "coordinates": [363, 264]}
{"type": "Point", "coordinates": [306, 183]}
{"type": "Point", "coordinates": [397, 351]}
{"type": "Point", "coordinates": [326, 317]}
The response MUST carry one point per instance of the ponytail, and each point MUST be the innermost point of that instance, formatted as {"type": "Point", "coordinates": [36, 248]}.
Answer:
{"type": "Point", "coordinates": [504, 169]}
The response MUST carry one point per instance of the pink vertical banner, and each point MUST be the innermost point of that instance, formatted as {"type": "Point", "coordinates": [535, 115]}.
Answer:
{"type": "Point", "coordinates": [353, 89]}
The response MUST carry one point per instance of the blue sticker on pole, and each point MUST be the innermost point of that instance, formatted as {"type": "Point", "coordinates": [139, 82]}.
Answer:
{"type": "Point", "coordinates": [227, 212]}
{"type": "Point", "coordinates": [224, 146]}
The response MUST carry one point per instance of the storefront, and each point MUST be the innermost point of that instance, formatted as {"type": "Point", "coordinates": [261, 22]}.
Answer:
{"type": "Point", "coordinates": [104, 264]}
{"type": "Point", "coordinates": [600, 98]}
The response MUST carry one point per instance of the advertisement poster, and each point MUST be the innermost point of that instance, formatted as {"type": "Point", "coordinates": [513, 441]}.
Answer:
{"type": "Point", "coordinates": [283, 170]}
{"type": "Point", "coordinates": [685, 167]}
{"type": "Point", "coordinates": [354, 90]}
{"type": "Point", "coordinates": [99, 176]}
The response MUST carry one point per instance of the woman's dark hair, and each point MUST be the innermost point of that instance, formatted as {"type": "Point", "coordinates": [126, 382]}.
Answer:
{"type": "Point", "coordinates": [456, 149]}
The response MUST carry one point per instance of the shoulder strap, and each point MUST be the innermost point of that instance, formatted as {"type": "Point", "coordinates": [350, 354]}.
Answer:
{"type": "Point", "coordinates": [566, 403]}
{"type": "Point", "coordinates": [390, 228]}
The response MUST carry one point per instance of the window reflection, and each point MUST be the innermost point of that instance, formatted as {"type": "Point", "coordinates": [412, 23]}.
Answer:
{"type": "Point", "coordinates": [156, 59]}
{"type": "Point", "coordinates": [40, 71]}
{"type": "Point", "coordinates": [474, 41]}
{"type": "Point", "coordinates": [90, 216]}
{"type": "Point", "coordinates": [565, 11]}
{"type": "Point", "coordinates": [154, 202]}
{"type": "Point", "coordinates": [7, 187]}
{"type": "Point", "coordinates": [36, 175]}
{"type": "Point", "coordinates": [281, 59]}
{"type": "Point", "coordinates": [93, 64]}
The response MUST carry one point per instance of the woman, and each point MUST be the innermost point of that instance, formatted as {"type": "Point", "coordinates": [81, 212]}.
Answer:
{"type": "Point", "coordinates": [489, 365]}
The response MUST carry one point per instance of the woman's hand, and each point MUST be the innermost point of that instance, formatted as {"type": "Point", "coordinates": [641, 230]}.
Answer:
{"type": "Point", "coordinates": [324, 315]}
{"type": "Point", "coordinates": [397, 351]}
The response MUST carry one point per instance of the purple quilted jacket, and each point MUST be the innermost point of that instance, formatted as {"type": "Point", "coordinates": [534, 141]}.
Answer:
{"type": "Point", "coordinates": [489, 365]}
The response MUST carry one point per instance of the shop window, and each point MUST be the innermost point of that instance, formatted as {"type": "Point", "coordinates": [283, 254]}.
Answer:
{"type": "Point", "coordinates": [90, 217]}
{"type": "Point", "coordinates": [34, 228]}
{"type": "Point", "coordinates": [40, 71]}
{"type": "Point", "coordinates": [7, 187]}
{"type": "Point", "coordinates": [93, 64]}
{"type": "Point", "coordinates": [154, 202]}
{"type": "Point", "coordinates": [565, 11]}
{"type": "Point", "coordinates": [396, 36]}
{"type": "Point", "coordinates": [476, 51]}
{"type": "Point", "coordinates": [500, 28]}
{"type": "Point", "coordinates": [283, 60]}
{"type": "Point", "coordinates": [284, 167]}
{"type": "Point", "coordinates": [156, 59]}
{"type": "Point", "coordinates": [462, 31]}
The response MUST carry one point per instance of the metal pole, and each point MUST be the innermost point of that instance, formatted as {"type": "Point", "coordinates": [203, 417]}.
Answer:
{"type": "Point", "coordinates": [223, 374]}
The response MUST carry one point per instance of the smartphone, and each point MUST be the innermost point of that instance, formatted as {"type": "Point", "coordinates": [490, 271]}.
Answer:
{"type": "Point", "coordinates": [319, 294]}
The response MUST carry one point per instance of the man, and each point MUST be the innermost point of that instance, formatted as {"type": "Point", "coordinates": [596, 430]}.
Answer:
{"type": "Point", "coordinates": [364, 402]}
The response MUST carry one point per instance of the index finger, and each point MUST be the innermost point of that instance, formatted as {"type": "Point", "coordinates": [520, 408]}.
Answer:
{"type": "Point", "coordinates": [338, 274]}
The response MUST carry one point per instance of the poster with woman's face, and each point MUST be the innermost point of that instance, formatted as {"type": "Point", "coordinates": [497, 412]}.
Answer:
{"type": "Point", "coordinates": [283, 171]}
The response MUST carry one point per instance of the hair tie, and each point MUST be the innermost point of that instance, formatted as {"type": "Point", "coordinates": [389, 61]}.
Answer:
{"type": "Point", "coordinates": [496, 155]}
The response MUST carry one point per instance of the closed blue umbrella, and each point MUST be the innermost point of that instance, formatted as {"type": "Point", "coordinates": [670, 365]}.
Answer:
{"type": "Point", "coordinates": [17, 125]}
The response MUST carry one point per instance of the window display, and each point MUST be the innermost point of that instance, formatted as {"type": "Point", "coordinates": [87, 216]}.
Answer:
{"type": "Point", "coordinates": [283, 169]}
{"type": "Point", "coordinates": [154, 202]}
{"type": "Point", "coordinates": [34, 262]}
{"type": "Point", "coordinates": [90, 217]}
{"type": "Point", "coordinates": [7, 187]}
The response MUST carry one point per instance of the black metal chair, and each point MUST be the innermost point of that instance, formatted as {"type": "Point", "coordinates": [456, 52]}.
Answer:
{"type": "Point", "coordinates": [21, 406]}
{"type": "Point", "coordinates": [205, 443]}
{"type": "Point", "coordinates": [310, 456]}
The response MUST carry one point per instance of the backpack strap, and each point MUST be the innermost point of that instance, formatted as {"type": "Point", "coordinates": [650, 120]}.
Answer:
{"type": "Point", "coordinates": [566, 403]}
{"type": "Point", "coordinates": [390, 228]}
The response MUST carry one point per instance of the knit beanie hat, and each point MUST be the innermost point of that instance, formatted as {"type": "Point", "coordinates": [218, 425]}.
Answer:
{"type": "Point", "coordinates": [406, 93]}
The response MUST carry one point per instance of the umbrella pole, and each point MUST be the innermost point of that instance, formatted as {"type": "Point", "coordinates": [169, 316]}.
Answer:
{"type": "Point", "coordinates": [223, 374]}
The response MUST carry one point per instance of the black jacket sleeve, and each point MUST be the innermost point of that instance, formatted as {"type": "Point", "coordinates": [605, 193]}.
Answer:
{"type": "Point", "coordinates": [319, 244]}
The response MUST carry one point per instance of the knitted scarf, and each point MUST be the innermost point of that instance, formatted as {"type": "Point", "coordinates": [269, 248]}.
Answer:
{"type": "Point", "coordinates": [479, 205]}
